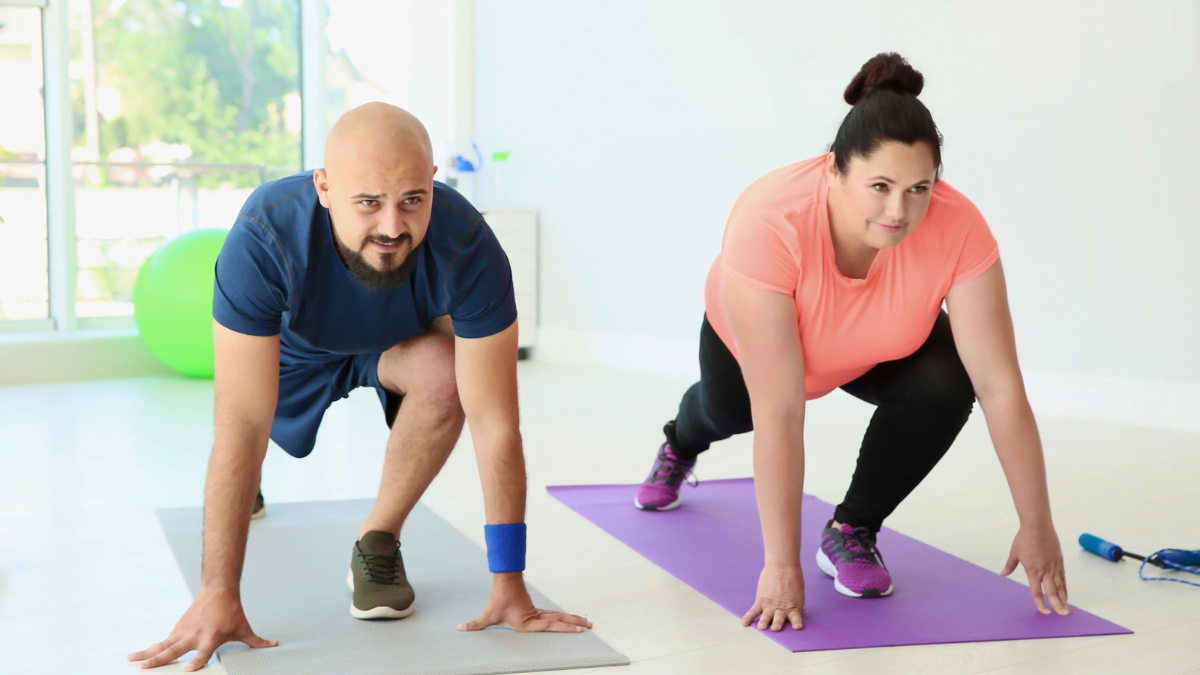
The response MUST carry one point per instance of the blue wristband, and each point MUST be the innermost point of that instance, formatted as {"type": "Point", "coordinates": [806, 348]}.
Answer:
{"type": "Point", "coordinates": [505, 547]}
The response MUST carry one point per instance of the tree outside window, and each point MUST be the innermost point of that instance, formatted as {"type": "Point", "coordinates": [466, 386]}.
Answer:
{"type": "Point", "coordinates": [181, 109]}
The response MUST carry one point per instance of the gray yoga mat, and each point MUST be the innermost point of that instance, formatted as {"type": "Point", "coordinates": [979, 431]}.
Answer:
{"type": "Point", "coordinates": [294, 590]}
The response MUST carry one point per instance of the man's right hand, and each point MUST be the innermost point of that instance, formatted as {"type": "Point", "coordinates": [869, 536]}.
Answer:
{"type": "Point", "coordinates": [780, 598]}
{"type": "Point", "coordinates": [214, 618]}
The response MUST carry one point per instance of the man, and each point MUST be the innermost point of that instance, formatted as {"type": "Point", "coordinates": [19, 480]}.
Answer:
{"type": "Point", "coordinates": [367, 273]}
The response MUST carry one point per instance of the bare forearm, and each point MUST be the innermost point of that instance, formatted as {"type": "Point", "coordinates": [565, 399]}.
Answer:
{"type": "Point", "coordinates": [779, 483]}
{"type": "Point", "coordinates": [502, 475]}
{"type": "Point", "coordinates": [233, 473]}
{"type": "Point", "coordinates": [1015, 436]}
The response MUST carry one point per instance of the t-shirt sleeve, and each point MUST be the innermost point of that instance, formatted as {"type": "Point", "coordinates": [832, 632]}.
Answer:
{"type": "Point", "coordinates": [480, 297]}
{"type": "Point", "coordinates": [979, 249]}
{"type": "Point", "coordinates": [759, 249]}
{"type": "Point", "coordinates": [250, 293]}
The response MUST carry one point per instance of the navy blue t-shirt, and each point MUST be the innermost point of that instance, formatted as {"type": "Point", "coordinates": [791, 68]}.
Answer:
{"type": "Point", "coordinates": [279, 274]}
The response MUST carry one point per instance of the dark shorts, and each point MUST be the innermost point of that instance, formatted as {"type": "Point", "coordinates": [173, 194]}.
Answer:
{"type": "Point", "coordinates": [307, 389]}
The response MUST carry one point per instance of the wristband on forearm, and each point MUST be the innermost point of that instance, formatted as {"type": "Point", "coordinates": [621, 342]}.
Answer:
{"type": "Point", "coordinates": [505, 547]}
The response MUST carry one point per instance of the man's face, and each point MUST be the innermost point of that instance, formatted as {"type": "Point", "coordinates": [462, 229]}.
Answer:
{"type": "Point", "coordinates": [380, 212]}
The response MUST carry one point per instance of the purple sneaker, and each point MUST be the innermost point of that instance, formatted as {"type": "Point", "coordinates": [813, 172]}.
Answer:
{"type": "Point", "coordinates": [660, 491]}
{"type": "Point", "coordinates": [850, 557]}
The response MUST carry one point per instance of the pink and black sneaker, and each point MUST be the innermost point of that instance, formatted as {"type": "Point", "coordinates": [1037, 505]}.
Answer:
{"type": "Point", "coordinates": [660, 491]}
{"type": "Point", "coordinates": [849, 555]}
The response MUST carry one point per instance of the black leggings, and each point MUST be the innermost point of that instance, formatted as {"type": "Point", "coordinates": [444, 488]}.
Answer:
{"type": "Point", "coordinates": [922, 402]}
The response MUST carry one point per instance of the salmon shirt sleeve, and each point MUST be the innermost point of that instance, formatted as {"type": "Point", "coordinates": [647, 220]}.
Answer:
{"type": "Point", "coordinates": [979, 249]}
{"type": "Point", "coordinates": [760, 249]}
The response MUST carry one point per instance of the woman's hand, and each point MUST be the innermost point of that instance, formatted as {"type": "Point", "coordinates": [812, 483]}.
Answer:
{"type": "Point", "coordinates": [1037, 549]}
{"type": "Point", "coordinates": [780, 598]}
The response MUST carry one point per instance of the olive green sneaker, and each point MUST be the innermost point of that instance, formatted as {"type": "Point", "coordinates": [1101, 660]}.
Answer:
{"type": "Point", "coordinates": [381, 589]}
{"type": "Point", "coordinates": [260, 508]}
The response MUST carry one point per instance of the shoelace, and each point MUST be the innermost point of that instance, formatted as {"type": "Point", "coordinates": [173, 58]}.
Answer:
{"type": "Point", "coordinates": [667, 471]}
{"type": "Point", "coordinates": [382, 568]}
{"type": "Point", "coordinates": [865, 545]}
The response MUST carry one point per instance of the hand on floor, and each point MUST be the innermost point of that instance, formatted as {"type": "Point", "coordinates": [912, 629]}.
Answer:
{"type": "Point", "coordinates": [780, 598]}
{"type": "Point", "coordinates": [1037, 549]}
{"type": "Point", "coordinates": [511, 607]}
{"type": "Point", "coordinates": [211, 621]}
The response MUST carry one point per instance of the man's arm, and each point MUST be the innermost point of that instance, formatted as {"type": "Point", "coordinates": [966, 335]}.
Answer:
{"type": "Point", "coordinates": [246, 380]}
{"type": "Point", "coordinates": [765, 329]}
{"type": "Point", "coordinates": [983, 334]}
{"type": "Point", "coordinates": [486, 372]}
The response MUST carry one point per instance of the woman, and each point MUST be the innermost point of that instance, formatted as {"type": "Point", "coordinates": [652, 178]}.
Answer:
{"type": "Point", "coordinates": [832, 274]}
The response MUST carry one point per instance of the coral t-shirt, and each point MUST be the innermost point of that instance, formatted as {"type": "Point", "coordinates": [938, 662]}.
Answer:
{"type": "Point", "coordinates": [777, 239]}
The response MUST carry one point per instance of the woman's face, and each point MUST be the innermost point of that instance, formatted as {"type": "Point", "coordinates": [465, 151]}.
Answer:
{"type": "Point", "coordinates": [881, 198]}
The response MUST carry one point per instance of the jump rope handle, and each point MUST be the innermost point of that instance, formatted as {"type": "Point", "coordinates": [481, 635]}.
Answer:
{"type": "Point", "coordinates": [1104, 549]}
{"type": "Point", "coordinates": [1181, 557]}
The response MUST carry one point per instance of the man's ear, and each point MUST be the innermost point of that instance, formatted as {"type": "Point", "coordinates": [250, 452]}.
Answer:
{"type": "Point", "coordinates": [321, 183]}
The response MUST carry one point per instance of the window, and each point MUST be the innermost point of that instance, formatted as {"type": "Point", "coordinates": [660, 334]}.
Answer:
{"type": "Point", "coordinates": [181, 109]}
{"type": "Point", "coordinates": [24, 269]}
{"type": "Point", "coordinates": [126, 122]}
{"type": "Point", "coordinates": [367, 62]}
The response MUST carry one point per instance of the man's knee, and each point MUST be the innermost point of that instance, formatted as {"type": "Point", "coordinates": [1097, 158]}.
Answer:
{"type": "Point", "coordinates": [423, 372]}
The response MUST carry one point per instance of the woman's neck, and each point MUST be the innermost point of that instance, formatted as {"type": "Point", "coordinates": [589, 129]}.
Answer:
{"type": "Point", "coordinates": [853, 257]}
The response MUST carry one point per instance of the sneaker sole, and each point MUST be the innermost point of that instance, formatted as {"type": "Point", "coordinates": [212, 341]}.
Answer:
{"type": "Point", "coordinates": [830, 570]}
{"type": "Point", "coordinates": [255, 515]}
{"type": "Point", "coordinates": [376, 612]}
{"type": "Point", "coordinates": [650, 507]}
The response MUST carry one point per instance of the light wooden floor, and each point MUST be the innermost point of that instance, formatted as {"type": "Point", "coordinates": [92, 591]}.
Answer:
{"type": "Point", "coordinates": [85, 575]}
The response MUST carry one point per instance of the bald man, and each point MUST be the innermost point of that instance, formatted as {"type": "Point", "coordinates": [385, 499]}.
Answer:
{"type": "Point", "coordinates": [366, 273]}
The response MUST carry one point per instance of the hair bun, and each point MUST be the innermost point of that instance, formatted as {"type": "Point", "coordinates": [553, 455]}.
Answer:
{"type": "Point", "coordinates": [884, 71]}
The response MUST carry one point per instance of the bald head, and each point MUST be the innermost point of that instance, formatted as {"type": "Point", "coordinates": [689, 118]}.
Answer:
{"type": "Point", "coordinates": [378, 134]}
{"type": "Point", "coordinates": [378, 187]}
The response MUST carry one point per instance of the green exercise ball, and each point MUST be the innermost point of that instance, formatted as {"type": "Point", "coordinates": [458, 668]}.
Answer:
{"type": "Point", "coordinates": [172, 301]}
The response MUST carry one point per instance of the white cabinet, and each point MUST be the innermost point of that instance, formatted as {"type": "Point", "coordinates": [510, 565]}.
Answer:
{"type": "Point", "coordinates": [517, 231]}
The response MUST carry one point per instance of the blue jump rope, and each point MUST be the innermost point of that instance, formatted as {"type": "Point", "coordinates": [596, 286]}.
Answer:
{"type": "Point", "coordinates": [1167, 558]}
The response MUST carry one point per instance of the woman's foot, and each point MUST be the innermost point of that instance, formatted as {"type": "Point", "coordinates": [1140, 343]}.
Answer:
{"type": "Point", "coordinates": [660, 491]}
{"type": "Point", "coordinates": [848, 554]}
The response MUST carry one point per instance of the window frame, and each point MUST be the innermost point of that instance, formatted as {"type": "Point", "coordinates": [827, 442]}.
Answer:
{"type": "Point", "coordinates": [59, 189]}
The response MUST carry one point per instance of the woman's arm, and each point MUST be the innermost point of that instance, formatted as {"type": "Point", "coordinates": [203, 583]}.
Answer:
{"type": "Point", "coordinates": [765, 330]}
{"type": "Point", "coordinates": [983, 334]}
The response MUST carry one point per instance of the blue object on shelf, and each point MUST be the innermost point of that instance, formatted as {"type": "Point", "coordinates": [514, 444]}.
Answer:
{"type": "Point", "coordinates": [464, 165]}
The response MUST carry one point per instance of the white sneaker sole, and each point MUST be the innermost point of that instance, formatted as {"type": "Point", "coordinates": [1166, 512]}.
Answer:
{"type": "Point", "coordinates": [255, 515]}
{"type": "Point", "coordinates": [377, 612]}
{"type": "Point", "coordinates": [830, 570]}
{"type": "Point", "coordinates": [673, 505]}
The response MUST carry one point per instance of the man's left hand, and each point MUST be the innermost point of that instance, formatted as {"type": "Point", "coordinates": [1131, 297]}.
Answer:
{"type": "Point", "coordinates": [510, 606]}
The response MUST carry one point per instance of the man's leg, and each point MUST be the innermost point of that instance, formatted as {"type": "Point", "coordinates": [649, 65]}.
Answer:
{"type": "Point", "coordinates": [426, 427]}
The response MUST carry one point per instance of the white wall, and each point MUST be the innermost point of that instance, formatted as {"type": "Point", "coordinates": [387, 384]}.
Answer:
{"type": "Point", "coordinates": [1073, 125]}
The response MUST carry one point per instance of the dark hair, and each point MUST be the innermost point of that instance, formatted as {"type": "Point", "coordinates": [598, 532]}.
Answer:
{"type": "Point", "coordinates": [884, 96]}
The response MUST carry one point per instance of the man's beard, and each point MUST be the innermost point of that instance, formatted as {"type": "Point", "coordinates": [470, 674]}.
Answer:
{"type": "Point", "coordinates": [387, 278]}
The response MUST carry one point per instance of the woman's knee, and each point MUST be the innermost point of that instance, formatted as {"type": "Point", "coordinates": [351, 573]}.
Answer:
{"type": "Point", "coordinates": [941, 385]}
{"type": "Point", "coordinates": [728, 411]}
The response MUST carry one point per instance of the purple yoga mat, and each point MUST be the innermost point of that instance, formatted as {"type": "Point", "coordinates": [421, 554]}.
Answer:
{"type": "Point", "coordinates": [714, 544]}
